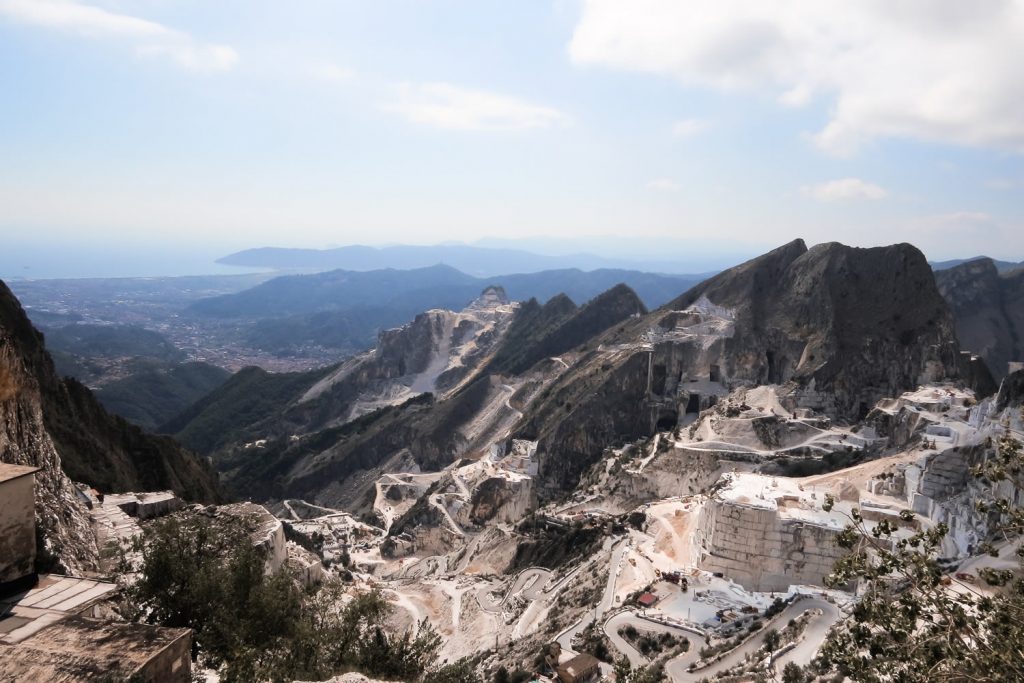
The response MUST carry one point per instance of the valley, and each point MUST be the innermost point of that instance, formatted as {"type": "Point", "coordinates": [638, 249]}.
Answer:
{"type": "Point", "coordinates": [554, 487]}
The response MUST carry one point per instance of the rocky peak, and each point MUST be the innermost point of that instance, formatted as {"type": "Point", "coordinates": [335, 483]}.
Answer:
{"type": "Point", "coordinates": [492, 296]}
{"type": "Point", "coordinates": [988, 310]}
{"type": "Point", "coordinates": [618, 300]}
{"type": "Point", "coordinates": [558, 305]}
{"type": "Point", "coordinates": [748, 284]}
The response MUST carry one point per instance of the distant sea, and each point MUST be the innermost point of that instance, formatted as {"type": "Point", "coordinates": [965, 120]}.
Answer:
{"type": "Point", "coordinates": [47, 262]}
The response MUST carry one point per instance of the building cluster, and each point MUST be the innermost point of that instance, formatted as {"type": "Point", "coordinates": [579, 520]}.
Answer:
{"type": "Point", "coordinates": [57, 628]}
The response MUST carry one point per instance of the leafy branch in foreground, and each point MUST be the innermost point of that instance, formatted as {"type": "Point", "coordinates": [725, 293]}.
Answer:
{"type": "Point", "coordinates": [916, 623]}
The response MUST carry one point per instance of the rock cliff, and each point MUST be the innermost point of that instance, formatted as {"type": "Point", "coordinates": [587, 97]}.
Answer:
{"type": "Point", "coordinates": [839, 328]}
{"type": "Point", "coordinates": [65, 536]}
{"type": "Point", "coordinates": [56, 424]}
{"type": "Point", "coordinates": [988, 309]}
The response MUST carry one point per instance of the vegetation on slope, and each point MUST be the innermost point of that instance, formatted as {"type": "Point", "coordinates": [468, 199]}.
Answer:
{"type": "Point", "coordinates": [545, 545]}
{"type": "Point", "coordinates": [348, 331]}
{"type": "Point", "coordinates": [205, 574]}
{"type": "Point", "coordinates": [229, 414]}
{"type": "Point", "coordinates": [155, 393]}
{"type": "Point", "coordinates": [111, 341]}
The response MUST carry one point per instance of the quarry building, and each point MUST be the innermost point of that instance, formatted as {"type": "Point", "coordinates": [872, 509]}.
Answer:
{"type": "Point", "coordinates": [56, 628]}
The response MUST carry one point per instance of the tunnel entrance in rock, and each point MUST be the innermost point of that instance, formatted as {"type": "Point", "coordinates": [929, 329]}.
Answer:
{"type": "Point", "coordinates": [778, 367]}
{"type": "Point", "coordinates": [693, 404]}
{"type": "Point", "coordinates": [715, 374]}
{"type": "Point", "coordinates": [667, 422]}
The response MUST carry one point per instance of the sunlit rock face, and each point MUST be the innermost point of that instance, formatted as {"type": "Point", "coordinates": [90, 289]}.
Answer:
{"type": "Point", "coordinates": [61, 517]}
{"type": "Point", "coordinates": [767, 534]}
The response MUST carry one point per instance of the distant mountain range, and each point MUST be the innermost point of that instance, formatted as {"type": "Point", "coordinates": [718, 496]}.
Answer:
{"type": "Point", "coordinates": [437, 286]}
{"type": "Point", "coordinates": [346, 309]}
{"type": "Point", "coordinates": [478, 261]}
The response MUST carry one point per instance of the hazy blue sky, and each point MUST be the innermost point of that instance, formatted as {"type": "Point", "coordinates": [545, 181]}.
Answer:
{"type": "Point", "coordinates": [311, 123]}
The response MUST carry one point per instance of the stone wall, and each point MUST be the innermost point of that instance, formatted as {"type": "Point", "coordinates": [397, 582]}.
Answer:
{"type": "Point", "coordinates": [173, 664]}
{"type": "Point", "coordinates": [762, 550]}
{"type": "Point", "coordinates": [17, 528]}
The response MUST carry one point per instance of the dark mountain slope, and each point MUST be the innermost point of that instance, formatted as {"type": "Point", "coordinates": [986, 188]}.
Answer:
{"type": "Point", "coordinates": [838, 327]}
{"type": "Point", "coordinates": [240, 405]}
{"type": "Point", "coordinates": [307, 448]}
{"type": "Point", "coordinates": [155, 392]}
{"type": "Point", "coordinates": [551, 330]}
{"type": "Point", "coordinates": [531, 325]}
{"type": "Point", "coordinates": [94, 446]}
{"type": "Point", "coordinates": [988, 308]}
{"type": "Point", "coordinates": [134, 372]}
{"type": "Point", "coordinates": [349, 331]}
{"type": "Point", "coordinates": [858, 324]}
{"type": "Point", "coordinates": [111, 341]}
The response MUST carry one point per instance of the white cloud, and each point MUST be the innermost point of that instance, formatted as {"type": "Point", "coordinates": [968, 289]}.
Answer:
{"type": "Point", "coordinates": [664, 185]}
{"type": "Point", "coordinates": [845, 189]}
{"type": "Point", "coordinates": [685, 128]}
{"type": "Point", "coordinates": [941, 70]}
{"type": "Point", "coordinates": [448, 106]}
{"type": "Point", "coordinates": [333, 73]}
{"type": "Point", "coordinates": [147, 37]}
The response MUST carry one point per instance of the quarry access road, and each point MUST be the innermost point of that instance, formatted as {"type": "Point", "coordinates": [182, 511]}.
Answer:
{"type": "Point", "coordinates": [814, 636]}
{"type": "Point", "coordinates": [530, 583]}
{"type": "Point", "coordinates": [608, 599]}
{"type": "Point", "coordinates": [565, 637]}
{"type": "Point", "coordinates": [623, 619]}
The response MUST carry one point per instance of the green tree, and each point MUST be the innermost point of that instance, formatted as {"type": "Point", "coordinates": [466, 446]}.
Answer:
{"type": "Point", "coordinates": [793, 673]}
{"type": "Point", "coordinates": [914, 623]}
{"type": "Point", "coordinates": [772, 640]}
{"type": "Point", "coordinates": [461, 671]}
{"type": "Point", "coordinates": [624, 673]}
{"type": "Point", "coordinates": [205, 574]}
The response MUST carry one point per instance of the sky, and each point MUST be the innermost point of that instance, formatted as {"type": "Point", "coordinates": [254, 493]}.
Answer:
{"type": "Point", "coordinates": [647, 126]}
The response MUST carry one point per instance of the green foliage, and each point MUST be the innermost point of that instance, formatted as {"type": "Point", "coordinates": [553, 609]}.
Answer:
{"type": "Point", "coordinates": [230, 412]}
{"type": "Point", "coordinates": [205, 574]}
{"type": "Point", "coordinates": [915, 624]}
{"type": "Point", "coordinates": [112, 341]}
{"type": "Point", "coordinates": [155, 392]}
{"type": "Point", "coordinates": [793, 673]}
{"type": "Point", "coordinates": [461, 671]}
{"type": "Point", "coordinates": [624, 673]}
{"type": "Point", "coordinates": [772, 640]}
